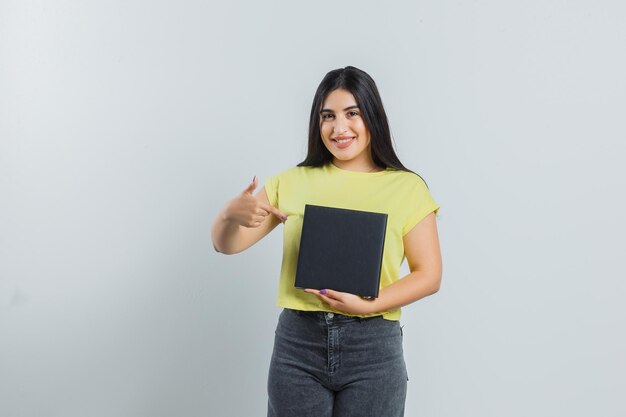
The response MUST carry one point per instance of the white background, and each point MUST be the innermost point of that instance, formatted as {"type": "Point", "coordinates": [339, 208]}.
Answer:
{"type": "Point", "coordinates": [125, 126]}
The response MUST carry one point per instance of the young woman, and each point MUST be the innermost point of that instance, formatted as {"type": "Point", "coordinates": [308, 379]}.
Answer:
{"type": "Point", "coordinates": [337, 354]}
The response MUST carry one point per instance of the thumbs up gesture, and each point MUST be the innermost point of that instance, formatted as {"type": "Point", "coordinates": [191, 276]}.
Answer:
{"type": "Point", "coordinates": [249, 211]}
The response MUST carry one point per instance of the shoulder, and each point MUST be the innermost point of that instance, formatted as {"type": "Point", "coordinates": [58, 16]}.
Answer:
{"type": "Point", "coordinates": [291, 175]}
{"type": "Point", "coordinates": [407, 179]}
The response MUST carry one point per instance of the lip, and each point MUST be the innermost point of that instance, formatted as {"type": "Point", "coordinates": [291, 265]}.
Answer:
{"type": "Point", "coordinates": [344, 145]}
{"type": "Point", "coordinates": [342, 137]}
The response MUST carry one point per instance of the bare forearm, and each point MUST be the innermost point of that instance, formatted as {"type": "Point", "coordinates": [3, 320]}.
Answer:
{"type": "Point", "coordinates": [414, 286]}
{"type": "Point", "coordinates": [225, 234]}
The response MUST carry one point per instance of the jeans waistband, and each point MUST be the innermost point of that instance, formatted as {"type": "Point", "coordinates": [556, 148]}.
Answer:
{"type": "Point", "coordinates": [326, 315]}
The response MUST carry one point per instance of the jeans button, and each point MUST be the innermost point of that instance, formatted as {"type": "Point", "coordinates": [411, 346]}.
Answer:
{"type": "Point", "coordinates": [330, 315]}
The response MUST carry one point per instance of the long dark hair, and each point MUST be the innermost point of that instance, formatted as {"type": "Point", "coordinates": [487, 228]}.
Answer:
{"type": "Point", "coordinates": [365, 92]}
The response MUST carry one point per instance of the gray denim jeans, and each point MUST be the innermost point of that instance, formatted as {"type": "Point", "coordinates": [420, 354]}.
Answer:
{"type": "Point", "coordinates": [331, 365]}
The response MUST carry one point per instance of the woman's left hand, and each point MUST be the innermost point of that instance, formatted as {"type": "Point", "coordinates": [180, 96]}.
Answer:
{"type": "Point", "coordinates": [343, 301]}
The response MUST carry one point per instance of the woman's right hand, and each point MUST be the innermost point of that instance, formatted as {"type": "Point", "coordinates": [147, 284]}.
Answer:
{"type": "Point", "coordinates": [248, 211]}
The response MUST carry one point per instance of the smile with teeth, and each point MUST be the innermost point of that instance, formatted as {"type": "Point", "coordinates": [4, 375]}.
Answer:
{"type": "Point", "coordinates": [343, 142]}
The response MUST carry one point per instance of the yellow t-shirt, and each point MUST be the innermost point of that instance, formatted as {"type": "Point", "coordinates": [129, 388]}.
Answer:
{"type": "Point", "coordinates": [402, 195]}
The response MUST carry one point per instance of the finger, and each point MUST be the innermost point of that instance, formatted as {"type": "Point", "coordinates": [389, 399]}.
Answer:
{"type": "Point", "coordinates": [253, 223]}
{"type": "Point", "coordinates": [250, 188]}
{"type": "Point", "coordinates": [322, 297]}
{"type": "Point", "coordinates": [259, 219]}
{"type": "Point", "coordinates": [321, 292]}
{"type": "Point", "coordinates": [335, 295]}
{"type": "Point", "coordinates": [255, 220]}
{"type": "Point", "coordinates": [314, 292]}
{"type": "Point", "coordinates": [261, 212]}
{"type": "Point", "coordinates": [273, 210]}
{"type": "Point", "coordinates": [331, 302]}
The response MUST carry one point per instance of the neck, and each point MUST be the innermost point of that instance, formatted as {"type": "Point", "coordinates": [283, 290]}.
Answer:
{"type": "Point", "coordinates": [367, 168]}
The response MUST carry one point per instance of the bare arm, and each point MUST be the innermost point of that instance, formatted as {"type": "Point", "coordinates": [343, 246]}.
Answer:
{"type": "Point", "coordinates": [423, 254]}
{"type": "Point", "coordinates": [244, 220]}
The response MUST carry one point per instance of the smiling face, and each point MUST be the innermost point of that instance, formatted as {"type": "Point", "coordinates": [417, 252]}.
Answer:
{"type": "Point", "coordinates": [344, 132]}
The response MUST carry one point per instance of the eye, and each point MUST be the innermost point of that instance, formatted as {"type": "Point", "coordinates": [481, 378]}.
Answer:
{"type": "Point", "coordinates": [326, 116]}
{"type": "Point", "coordinates": [353, 113]}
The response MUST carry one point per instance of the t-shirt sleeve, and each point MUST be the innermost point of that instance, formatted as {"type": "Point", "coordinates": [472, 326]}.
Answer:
{"type": "Point", "coordinates": [420, 204]}
{"type": "Point", "coordinates": [271, 188]}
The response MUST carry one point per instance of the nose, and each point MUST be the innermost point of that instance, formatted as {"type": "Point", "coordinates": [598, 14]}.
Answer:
{"type": "Point", "coordinates": [339, 125]}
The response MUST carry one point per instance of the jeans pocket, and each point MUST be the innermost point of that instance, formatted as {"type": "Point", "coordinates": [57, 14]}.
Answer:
{"type": "Point", "coordinates": [406, 370]}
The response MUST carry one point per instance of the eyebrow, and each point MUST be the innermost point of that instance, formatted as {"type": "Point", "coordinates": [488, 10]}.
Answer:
{"type": "Point", "coordinates": [347, 108]}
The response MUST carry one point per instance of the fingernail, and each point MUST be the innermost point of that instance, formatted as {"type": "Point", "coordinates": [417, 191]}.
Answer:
{"type": "Point", "coordinates": [323, 291]}
{"type": "Point", "coordinates": [284, 217]}
{"type": "Point", "coordinates": [254, 178]}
